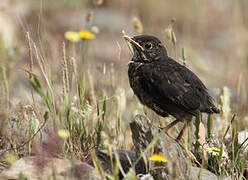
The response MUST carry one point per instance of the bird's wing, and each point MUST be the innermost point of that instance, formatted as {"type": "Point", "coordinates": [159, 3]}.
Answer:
{"type": "Point", "coordinates": [171, 83]}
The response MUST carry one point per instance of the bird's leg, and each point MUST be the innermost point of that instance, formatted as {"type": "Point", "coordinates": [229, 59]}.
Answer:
{"type": "Point", "coordinates": [183, 129]}
{"type": "Point", "coordinates": [171, 125]}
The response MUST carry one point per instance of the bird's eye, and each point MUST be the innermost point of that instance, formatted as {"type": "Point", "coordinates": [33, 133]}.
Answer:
{"type": "Point", "coordinates": [148, 45]}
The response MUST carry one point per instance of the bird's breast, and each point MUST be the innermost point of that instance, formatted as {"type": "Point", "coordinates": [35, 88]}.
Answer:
{"type": "Point", "coordinates": [134, 75]}
{"type": "Point", "coordinates": [136, 80]}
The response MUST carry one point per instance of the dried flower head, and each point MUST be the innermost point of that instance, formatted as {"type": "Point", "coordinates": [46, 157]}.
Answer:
{"type": "Point", "coordinates": [97, 2]}
{"type": "Point", "coordinates": [137, 25]}
{"type": "Point", "coordinates": [168, 32]}
{"type": "Point", "coordinates": [225, 103]}
{"type": "Point", "coordinates": [89, 16]}
{"type": "Point", "coordinates": [95, 29]}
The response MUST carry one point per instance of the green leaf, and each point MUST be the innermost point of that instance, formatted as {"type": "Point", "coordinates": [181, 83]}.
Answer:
{"type": "Point", "coordinates": [99, 132]}
{"type": "Point", "coordinates": [36, 80]}
{"type": "Point", "coordinates": [197, 125]}
{"type": "Point", "coordinates": [67, 108]}
{"type": "Point", "coordinates": [21, 176]}
{"type": "Point", "coordinates": [46, 115]}
{"type": "Point", "coordinates": [97, 110]}
{"type": "Point", "coordinates": [183, 54]}
{"type": "Point", "coordinates": [173, 38]}
{"type": "Point", "coordinates": [209, 125]}
{"type": "Point", "coordinates": [81, 90]}
{"type": "Point", "coordinates": [37, 88]}
{"type": "Point", "coordinates": [104, 106]}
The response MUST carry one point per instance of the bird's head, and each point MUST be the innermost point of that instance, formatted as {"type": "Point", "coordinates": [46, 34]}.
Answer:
{"type": "Point", "coordinates": [146, 48]}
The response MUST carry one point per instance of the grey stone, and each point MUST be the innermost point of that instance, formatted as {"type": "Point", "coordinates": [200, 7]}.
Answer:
{"type": "Point", "coordinates": [39, 168]}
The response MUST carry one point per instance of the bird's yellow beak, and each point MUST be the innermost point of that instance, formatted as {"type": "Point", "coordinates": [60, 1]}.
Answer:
{"type": "Point", "coordinates": [130, 40]}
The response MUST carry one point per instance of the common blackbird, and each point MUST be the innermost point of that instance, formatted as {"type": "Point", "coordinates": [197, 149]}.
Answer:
{"type": "Point", "coordinates": [164, 85]}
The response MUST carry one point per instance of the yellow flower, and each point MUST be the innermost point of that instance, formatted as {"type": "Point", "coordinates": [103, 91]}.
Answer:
{"type": "Point", "coordinates": [158, 157]}
{"type": "Point", "coordinates": [11, 158]}
{"type": "Point", "coordinates": [72, 36]}
{"type": "Point", "coordinates": [84, 34]}
{"type": "Point", "coordinates": [214, 151]}
{"type": "Point", "coordinates": [64, 134]}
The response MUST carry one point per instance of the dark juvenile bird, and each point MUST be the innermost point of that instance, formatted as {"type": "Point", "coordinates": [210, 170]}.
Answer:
{"type": "Point", "coordinates": [165, 86]}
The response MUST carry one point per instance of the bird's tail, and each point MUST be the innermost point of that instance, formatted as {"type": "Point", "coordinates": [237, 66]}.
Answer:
{"type": "Point", "coordinates": [215, 109]}
{"type": "Point", "coordinates": [211, 107]}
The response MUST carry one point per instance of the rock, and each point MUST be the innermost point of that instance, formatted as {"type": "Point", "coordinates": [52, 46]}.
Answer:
{"type": "Point", "coordinates": [204, 174]}
{"type": "Point", "coordinates": [127, 160]}
{"type": "Point", "coordinates": [227, 178]}
{"type": "Point", "coordinates": [146, 177]}
{"type": "Point", "coordinates": [242, 136]}
{"type": "Point", "coordinates": [149, 140]}
{"type": "Point", "coordinates": [143, 134]}
{"type": "Point", "coordinates": [36, 167]}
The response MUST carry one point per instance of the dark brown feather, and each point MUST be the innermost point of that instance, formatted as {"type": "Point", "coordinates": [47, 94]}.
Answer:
{"type": "Point", "coordinates": [164, 85]}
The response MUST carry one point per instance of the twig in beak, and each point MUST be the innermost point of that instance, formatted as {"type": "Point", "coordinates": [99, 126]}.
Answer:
{"type": "Point", "coordinates": [127, 38]}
